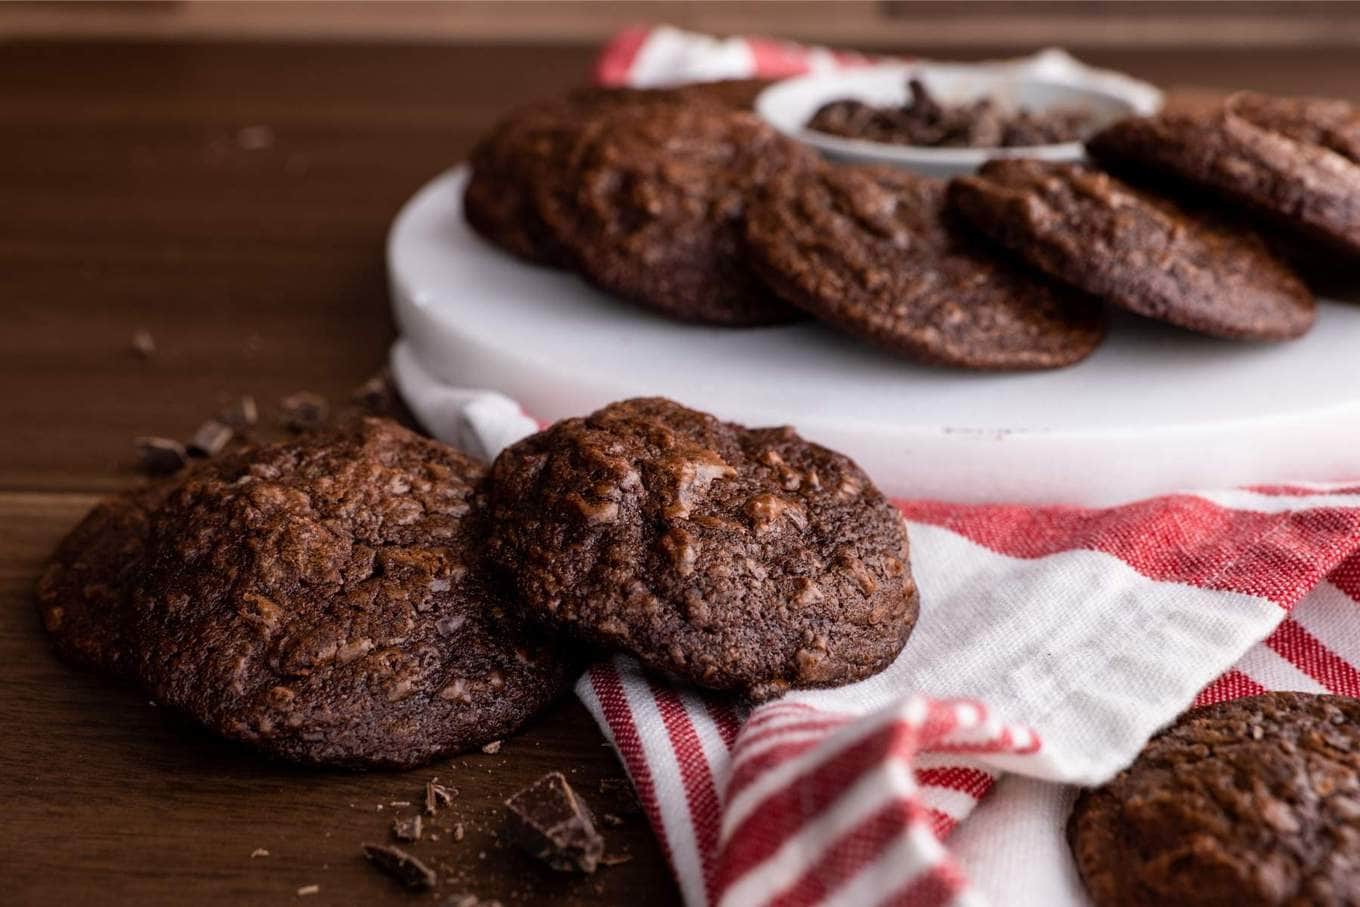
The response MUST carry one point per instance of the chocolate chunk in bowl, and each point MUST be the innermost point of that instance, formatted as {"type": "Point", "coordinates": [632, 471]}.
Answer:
{"type": "Point", "coordinates": [925, 121]}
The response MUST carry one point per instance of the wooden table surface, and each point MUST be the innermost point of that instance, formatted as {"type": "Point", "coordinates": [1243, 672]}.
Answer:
{"type": "Point", "coordinates": [232, 201]}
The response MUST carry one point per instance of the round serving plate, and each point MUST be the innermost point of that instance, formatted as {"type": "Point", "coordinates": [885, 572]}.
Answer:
{"type": "Point", "coordinates": [1154, 409]}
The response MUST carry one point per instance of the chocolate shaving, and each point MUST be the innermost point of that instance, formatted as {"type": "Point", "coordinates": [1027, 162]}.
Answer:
{"type": "Point", "coordinates": [303, 411]}
{"type": "Point", "coordinates": [469, 900]}
{"type": "Point", "coordinates": [143, 344]}
{"type": "Point", "coordinates": [160, 456]}
{"type": "Point", "coordinates": [241, 414]}
{"type": "Point", "coordinates": [552, 823]}
{"type": "Point", "coordinates": [210, 439]}
{"type": "Point", "coordinates": [407, 828]}
{"type": "Point", "coordinates": [615, 859]}
{"type": "Point", "coordinates": [401, 866]}
{"type": "Point", "coordinates": [376, 394]}
{"type": "Point", "coordinates": [437, 795]}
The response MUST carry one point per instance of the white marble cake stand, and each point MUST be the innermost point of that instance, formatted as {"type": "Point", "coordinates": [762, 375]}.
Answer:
{"type": "Point", "coordinates": [1154, 410]}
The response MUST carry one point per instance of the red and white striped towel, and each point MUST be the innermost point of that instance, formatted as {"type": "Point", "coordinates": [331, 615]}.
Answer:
{"type": "Point", "coordinates": [1052, 642]}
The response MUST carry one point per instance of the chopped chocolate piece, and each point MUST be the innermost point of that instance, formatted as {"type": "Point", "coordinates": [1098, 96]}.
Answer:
{"type": "Point", "coordinates": [401, 866]}
{"type": "Point", "coordinates": [553, 824]}
{"type": "Point", "coordinates": [241, 414]}
{"type": "Point", "coordinates": [437, 795]}
{"type": "Point", "coordinates": [458, 831]}
{"type": "Point", "coordinates": [611, 820]}
{"type": "Point", "coordinates": [492, 748]}
{"type": "Point", "coordinates": [143, 344]}
{"type": "Point", "coordinates": [303, 411]}
{"type": "Point", "coordinates": [376, 395]}
{"type": "Point", "coordinates": [615, 859]}
{"type": "Point", "coordinates": [924, 121]}
{"type": "Point", "coordinates": [210, 439]}
{"type": "Point", "coordinates": [160, 456]}
{"type": "Point", "coordinates": [407, 828]}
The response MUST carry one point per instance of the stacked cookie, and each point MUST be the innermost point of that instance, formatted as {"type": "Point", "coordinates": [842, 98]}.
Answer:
{"type": "Point", "coordinates": [681, 202]}
{"type": "Point", "coordinates": [368, 597]}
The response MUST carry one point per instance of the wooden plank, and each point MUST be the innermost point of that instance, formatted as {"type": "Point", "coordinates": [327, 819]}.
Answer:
{"type": "Point", "coordinates": [112, 800]}
{"type": "Point", "coordinates": [923, 25]}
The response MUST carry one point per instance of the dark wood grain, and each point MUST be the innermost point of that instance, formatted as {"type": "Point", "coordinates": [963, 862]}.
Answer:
{"type": "Point", "coordinates": [131, 199]}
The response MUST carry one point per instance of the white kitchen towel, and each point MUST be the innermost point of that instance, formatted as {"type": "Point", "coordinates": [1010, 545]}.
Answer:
{"type": "Point", "coordinates": [1052, 642]}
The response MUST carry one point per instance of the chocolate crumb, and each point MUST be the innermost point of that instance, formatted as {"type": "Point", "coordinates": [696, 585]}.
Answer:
{"type": "Point", "coordinates": [143, 344]}
{"type": "Point", "coordinates": [458, 832]}
{"type": "Point", "coordinates": [160, 456]}
{"type": "Point", "coordinates": [492, 748]}
{"type": "Point", "coordinates": [469, 900]}
{"type": "Point", "coordinates": [303, 411]}
{"type": "Point", "coordinates": [437, 795]}
{"type": "Point", "coordinates": [615, 859]}
{"type": "Point", "coordinates": [210, 439]}
{"type": "Point", "coordinates": [407, 828]}
{"type": "Point", "coordinates": [552, 823]}
{"type": "Point", "coordinates": [259, 852]}
{"type": "Point", "coordinates": [376, 394]}
{"type": "Point", "coordinates": [401, 866]}
{"type": "Point", "coordinates": [611, 820]}
{"type": "Point", "coordinates": [241, 414]}
{"type": "Point", "coordinates": [306, 890]}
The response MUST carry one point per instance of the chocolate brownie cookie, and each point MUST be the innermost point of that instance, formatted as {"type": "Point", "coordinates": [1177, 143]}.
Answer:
{"type": "Point", "coordinates": [527, 146]}
{"type": "Point", "coordinates": [1250, 802]}
{"type": "Point", "coordinates": [739, 559]}
{"type": "Point", "coordinates": [650, 206]}
{"type": "Point", "coordinates": [738, 94]}
{"type": "Point", "coordinates": [1325, 122]}
{"type": "Point", "coordinates": [868, 250]}
{"type": "Point", "coordinates": [1306, 188]}
{"type": "Point", "coordinates": [83, 596]}
{"type": "Point", "coordinates": [1134, 249]}
{"type": "Point", "coordinates": [524, 147]}
{"type": "Point", "coordinates": [323, 599]}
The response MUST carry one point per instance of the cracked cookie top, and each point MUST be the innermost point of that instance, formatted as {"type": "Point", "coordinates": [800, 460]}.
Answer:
{"type": "Point", "coordinates": [740, 559]}
{"type": "Point", "coordinates": [324, 599]}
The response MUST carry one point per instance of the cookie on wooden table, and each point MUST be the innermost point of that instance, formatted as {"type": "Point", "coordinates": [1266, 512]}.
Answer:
{"type": "Point", "coordinates": [1250, 802]}
{"type": "Point", "coordinates": [324, 600]}
{"type": "Point", "coordinates": [868, 249]}
{"type": "Point", "coordinates": [739, 559]}
{"type": "Point", "coordinates": [84, 595]}
{"type": "Point", "coordinates": [1137, 250]}
{"type": "Point", "coordinates": [1307, 188]}
{"type": "Point", "coordinates": [650, 207]}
